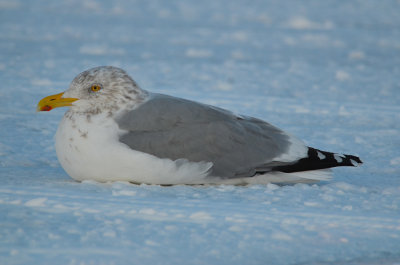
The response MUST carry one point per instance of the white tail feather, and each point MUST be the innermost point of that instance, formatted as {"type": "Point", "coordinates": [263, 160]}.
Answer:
{"type": "Point", "coordinates": [311, 176]}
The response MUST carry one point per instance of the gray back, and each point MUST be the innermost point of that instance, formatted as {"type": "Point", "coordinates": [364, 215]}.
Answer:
{"type": "Point", "coordinates": [175, 128]}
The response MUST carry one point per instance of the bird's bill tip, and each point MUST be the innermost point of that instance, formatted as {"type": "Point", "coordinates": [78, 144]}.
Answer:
{"type": "Point", "coordinates": [54, 101]}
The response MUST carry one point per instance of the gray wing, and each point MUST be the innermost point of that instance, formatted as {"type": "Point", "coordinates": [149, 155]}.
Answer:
{"type": "Point", "coordinates": [175, 128]}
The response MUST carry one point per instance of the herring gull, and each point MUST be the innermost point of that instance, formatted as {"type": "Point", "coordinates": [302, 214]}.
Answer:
{"type": "Point", "coordinates": [116, 131]}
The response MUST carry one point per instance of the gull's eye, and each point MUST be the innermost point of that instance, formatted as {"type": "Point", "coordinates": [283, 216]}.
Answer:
{"type": "Point", "coordinates": [95, 87]}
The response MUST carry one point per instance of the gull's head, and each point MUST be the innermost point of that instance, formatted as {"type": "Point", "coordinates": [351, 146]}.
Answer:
{"type": "Point", "coordinates": [104, 88]}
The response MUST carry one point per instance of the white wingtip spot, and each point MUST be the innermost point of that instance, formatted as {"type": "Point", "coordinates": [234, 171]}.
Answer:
{"type": "Point", "coordinates": [321, 156]}
{"type": "Point", "coordinates": [338, 158]}
{"type": "Point", "coordinates": [354, 163]}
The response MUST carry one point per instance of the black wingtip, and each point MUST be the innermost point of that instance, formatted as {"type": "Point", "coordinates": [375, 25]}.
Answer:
{"type": "Point", "coordinates": [355, 159]}
{"type": "Point", "coordinates": [317, 159]}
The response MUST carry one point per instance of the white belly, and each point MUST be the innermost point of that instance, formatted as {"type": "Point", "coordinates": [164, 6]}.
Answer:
{"type": "Point", "coordinates": [90, 150]}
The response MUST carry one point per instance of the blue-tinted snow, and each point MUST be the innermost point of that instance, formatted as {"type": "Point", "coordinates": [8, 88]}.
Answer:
{"type": "Point", "coordinates": [327, 71]}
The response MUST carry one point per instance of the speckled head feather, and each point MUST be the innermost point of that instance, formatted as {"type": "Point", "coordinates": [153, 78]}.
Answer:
{"type": "Point", "coordinates": [117, 90]}
{"type": "Point", "coordinates": [116, 131]}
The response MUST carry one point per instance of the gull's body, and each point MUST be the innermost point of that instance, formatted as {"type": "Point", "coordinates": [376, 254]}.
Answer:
{"type": "Point", "coordinates": [114, 130]}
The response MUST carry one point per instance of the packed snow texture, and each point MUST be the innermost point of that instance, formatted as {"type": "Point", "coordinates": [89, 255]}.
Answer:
{"type": "Point", "coordinates": [326, 71]}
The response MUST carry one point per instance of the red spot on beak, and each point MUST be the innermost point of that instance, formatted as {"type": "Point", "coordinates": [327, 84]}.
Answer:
{"type": "Point", "coordinates": [46, 108]}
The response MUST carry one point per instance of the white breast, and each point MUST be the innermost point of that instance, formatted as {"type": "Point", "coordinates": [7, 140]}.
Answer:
{"type": "Point", "coordinates": [88, 149]}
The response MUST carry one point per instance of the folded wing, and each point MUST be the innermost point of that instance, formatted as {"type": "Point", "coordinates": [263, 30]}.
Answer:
{"type": "Point", "coordinates": [175, 128]}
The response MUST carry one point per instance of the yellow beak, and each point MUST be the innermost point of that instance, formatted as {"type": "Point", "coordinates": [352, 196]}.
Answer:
{"type": "Point", "coordinates": [54, 101]}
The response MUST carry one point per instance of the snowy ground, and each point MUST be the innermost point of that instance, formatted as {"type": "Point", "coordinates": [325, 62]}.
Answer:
{"type": "Point", "coordinates": [327, 71]}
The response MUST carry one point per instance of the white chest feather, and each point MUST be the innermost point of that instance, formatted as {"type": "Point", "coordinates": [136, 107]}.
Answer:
{"type": "Point", "coordinates": [88, 149]}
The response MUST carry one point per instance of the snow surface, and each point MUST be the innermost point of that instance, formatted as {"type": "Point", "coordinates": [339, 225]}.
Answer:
{"type": "Point", "coordinates": [326, 71]}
